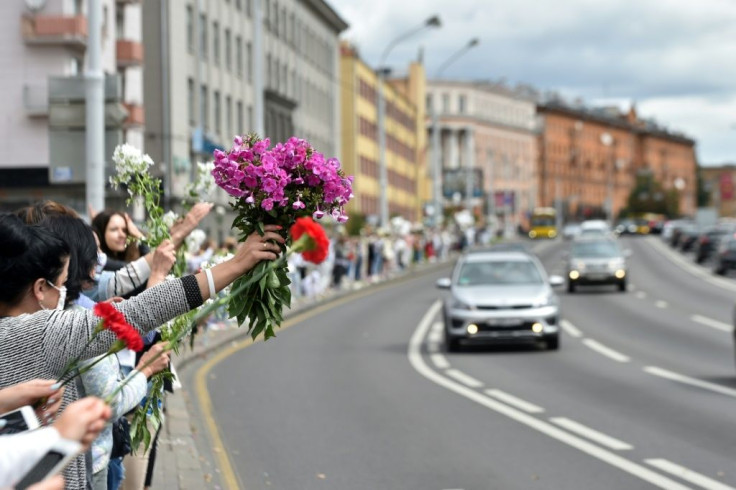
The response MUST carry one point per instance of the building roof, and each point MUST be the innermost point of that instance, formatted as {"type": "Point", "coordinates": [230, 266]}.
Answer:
{"type": "Point", "coordinates": [500, 87]}
{"type": "Point", "coordinates": [332, 18]}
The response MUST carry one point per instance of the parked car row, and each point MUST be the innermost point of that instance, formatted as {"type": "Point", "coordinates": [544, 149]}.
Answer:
{"type": "Point", "coordinates": [715, 244]}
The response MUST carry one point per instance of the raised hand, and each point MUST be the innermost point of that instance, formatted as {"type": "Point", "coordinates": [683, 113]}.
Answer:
{"type": "Point", "coordinates": [181, 229]}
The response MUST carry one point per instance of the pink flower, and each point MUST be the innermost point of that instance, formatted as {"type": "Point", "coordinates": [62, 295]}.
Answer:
{"type": "Point", "coordinates": [298, 205]}
{"type": "Point", "coordinates": [267, 204]}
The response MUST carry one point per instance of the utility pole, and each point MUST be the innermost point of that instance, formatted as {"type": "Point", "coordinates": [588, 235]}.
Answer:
{"type": "Point", "coordinates": [95, 111]}
{"type": "Point", "coordinates": [383, 168]}
{"type": "Point", "coordinates": [469, 165]}
{"type": "Point", "coordinates": [258, 126]}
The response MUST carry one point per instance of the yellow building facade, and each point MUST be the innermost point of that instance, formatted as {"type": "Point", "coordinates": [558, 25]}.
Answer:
{"type": "Point", "coordinates": [406, 140]}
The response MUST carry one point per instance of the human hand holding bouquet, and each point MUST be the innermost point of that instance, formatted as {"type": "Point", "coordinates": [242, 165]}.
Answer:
{"type": "Point", "coordinates": [276, 187]}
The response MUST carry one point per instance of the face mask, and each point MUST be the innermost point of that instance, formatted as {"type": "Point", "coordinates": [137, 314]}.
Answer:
{"type": "Point", "coordinates": [62, 296]}
{"type": "Point", "coordinates": [101, 261]}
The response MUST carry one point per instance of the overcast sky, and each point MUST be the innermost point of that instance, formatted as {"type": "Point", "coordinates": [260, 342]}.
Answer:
{"type": "Point", "coordinates": [675, 58]}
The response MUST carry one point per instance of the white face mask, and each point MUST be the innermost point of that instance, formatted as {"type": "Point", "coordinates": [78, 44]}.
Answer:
{"type": "Point", "coordinates": [62, 297]}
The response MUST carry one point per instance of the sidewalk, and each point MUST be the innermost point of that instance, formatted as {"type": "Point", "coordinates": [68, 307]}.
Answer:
{"type": "Point", "coordinates": [179, 464]}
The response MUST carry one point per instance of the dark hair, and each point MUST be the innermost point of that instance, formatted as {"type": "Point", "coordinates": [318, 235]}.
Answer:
{"type": "Point", "coordinates": [27, 253]}
{"type": "Point", "coordinates": [81, 242]}
{"type": "Point", "coordinates": [35, 213]}
{"type": "Point", "coordinates": [99, 225]}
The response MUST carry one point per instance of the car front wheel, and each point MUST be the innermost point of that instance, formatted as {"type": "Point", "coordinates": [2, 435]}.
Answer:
{"type": "Point", "coordinates": [452, 344]}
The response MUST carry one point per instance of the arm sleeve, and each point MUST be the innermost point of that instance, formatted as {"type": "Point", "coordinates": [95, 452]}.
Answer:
{"type": "Point", "coordinates": [66, 332]}
{"type": "Point", "coordinates": [102, 380]}
{"type": "Point", "coordinates": [19, 452]}
{"type": "Point", "coordinates": [125, 280]}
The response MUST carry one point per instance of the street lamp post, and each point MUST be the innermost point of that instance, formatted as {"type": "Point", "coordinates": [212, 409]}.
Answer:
{"type": "Point", "coordinates": [607, 141]}
{"type": "Point", "coordinates": [433, 21]}
{"type": "Point", "coordinates": [436, 164]}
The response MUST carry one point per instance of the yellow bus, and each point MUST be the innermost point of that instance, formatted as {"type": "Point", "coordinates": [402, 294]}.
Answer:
{"type": "Point", "coordinates": [543, 223]}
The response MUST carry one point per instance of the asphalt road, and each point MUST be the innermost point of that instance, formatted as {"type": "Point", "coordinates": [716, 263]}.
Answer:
{"type": "Point", "coordinates": [362, 395]}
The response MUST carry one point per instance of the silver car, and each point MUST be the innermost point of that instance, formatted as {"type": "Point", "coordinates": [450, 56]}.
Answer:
{"type": "Point", "coordinates": [501, 297]}
{"type": "Point", "coordinates": [596, 261]}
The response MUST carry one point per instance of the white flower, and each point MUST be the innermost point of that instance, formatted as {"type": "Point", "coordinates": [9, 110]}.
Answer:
{"type": "Point", "coordinates": [204, 182]}
{"type": "Point", "coordinates": [129, 161]}
{"type": "Point", "coordinates": [170, 218]}
{"type": "Point", "coordinates": [195, 239]}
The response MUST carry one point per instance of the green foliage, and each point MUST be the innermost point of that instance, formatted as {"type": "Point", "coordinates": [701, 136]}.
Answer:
{"type": "Point", "coordinates": [649, 196]}
{"type": "Point", "coordinates": [355, 224]}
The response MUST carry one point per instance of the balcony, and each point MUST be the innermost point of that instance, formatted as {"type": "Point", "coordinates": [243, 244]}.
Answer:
{"type": "Point", "coordinates": [129, 53]}
{"type": "Point", "coordinates": [55, 30]}
{"type": "Point", "coordinates": [36, 100]}
{"type": "Point", "coordinates": [136, 115]}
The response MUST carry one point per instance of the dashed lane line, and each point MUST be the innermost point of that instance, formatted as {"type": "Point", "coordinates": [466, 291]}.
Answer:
{"type": "Point", "coordinates": [414, 353]}
{"type": "Point", "coordinates": [440, 361]}
{"type": "Point", "coordinates": [681, 378]}
{"type": "Point", "coordinates": [570, 329]}
{"type": "Point", "coordinates": [709, 322]}
{"type": "Point", "coordinates": [606, 351]}
{"type": "Point", "coordinates": [687, 474]}
{"type": "Point", "coordinates": [514, 401]}
{"type": "Point", "coordinates": [661, 304]}
{"type": "Point", "coordinates": [464, 378]}
{"type": "Point", "coordinates": [592, 434]}
{"type": "Point", "coordinates": [641, 295]}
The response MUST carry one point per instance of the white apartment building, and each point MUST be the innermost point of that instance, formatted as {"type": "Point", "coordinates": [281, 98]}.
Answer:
{"type": "Point", "coordinates": [43, 55]}
{"type": "Point", "coordinates": [200, 74]}
{"type": "Point", "coordinates": [491, 128]}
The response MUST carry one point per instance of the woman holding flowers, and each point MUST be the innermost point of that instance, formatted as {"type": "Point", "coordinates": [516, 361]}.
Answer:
{"type": "Point", "coordinates": [38, 339]}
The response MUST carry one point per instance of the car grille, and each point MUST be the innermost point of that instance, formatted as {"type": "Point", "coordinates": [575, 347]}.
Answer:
{"type": "Point", "coordinates": [486, 327]}
{"type": "Point", "coordinates": [504, 307]}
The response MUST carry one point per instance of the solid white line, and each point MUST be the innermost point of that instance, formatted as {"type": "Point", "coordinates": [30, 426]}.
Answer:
{"type": "Point", "coordinates": [514, 401]}
{"type": "Point", "coordinates": [606, 351]}
{"type": "Point", "coordinates": [570, 329]}
{"type": "Point", "coordinates": [592, 434]}
{"type": "Point", "coordinates": [687, 474]}
{"type": "Point", "coordinates": [440, 361]}
{"type": "Point", "coordinates": [663, 373]}
{"type": "Point", "coordinates": [661, 304]}
{"type": "Point", "coordinates": [433, 347]}
{"type": "Point", "coordinates": [688, 266]}
{"type": "Point", "coordinates": [464, 378]}
{"type": "Point", "coordinates": [709, 322]}
{"type": "Point", "coordinates": [641, 294]}
{"type": "Point", "coordinates": [417, 361]}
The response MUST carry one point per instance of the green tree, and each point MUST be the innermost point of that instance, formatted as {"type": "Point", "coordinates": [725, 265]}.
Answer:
{"type": "Point", "coordinates": [649, 196]}
{"type": "Point", "coordinates": [355, 224]}
{"type": "Point", "coordinates": [703, 196]}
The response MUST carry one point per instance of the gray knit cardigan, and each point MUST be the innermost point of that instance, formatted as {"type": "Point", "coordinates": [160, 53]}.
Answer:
{"type": "Point", "coordinates": [39, 345]}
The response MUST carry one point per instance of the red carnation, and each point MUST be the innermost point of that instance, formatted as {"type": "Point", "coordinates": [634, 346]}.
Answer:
{"type": "Point", "coordinates": [320, 245]}
{"type": "Point", "coordinates": [115, 322]}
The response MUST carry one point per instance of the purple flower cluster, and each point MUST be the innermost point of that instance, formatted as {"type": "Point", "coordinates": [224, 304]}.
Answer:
{"type": "Point", "coordinates": [290, 178]}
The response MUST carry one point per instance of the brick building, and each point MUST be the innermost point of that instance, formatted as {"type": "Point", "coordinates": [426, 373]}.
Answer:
{"type": "Point", "coordinates": [589, 159]}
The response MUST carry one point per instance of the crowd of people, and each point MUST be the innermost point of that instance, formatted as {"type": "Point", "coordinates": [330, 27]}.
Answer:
{"type": "Point", "coordinates": [55, 267]}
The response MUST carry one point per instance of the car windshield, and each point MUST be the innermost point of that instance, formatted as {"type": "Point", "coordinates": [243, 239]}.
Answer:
{"type": "Point", "coordinates": [595, 249]}
{"type": "Point", "coordinates": [498, 272]}
{"type": "Point", "coordinates": [543, 221]}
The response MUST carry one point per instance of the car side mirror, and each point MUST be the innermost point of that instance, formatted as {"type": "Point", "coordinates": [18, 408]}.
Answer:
{"type": "Point", "coordinates": [444, 283]}
{"type": "Point", "coordinates": [555, 281]}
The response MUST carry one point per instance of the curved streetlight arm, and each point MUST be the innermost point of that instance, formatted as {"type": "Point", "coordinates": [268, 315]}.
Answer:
{"type": "Point", "coordinates": [431, 22]}
{"type": "Point", "coordinates": [473, 42]}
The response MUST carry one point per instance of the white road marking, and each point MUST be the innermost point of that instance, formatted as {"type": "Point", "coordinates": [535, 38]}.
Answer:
{"type": "Point", "coordinates": [464, 378]}
{"type": "Point", "coordinates": [433, 347]}
{"type": "Point", "coordinates": [606, 351]}
{"type": "Point", "coordinates": [661, 304]}
{"type": "Point", "coordinates": [663, 373]}
{"type": "Point", "coordinates": [514, 401]}
{"type": "Point", "coordinates": [704, 274]}
{"type": "Point", "coordinates": [687, 474]}
{"type": "Point", "coordinates": [570, 329]}
{"type": "Point", "coordinates": [592, 434]}
{"type": "Point", "coordinates": [435, 335]}
{"type": "Point", "coordinates": [641, 294]}
{"type": "Point", "coordinates": [440, 361]}
{"type": "Point", "coordinates": [709, 322]}
{"type": "Point", "coordinates": [417, 361]}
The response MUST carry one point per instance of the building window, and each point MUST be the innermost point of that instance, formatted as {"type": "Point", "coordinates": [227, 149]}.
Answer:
{"type": "Point", "coordinates": [249, 60]}
{"type": "Point", "coordinates": [461, 101]}
{"type": "Point", "coordinates": [203, 107]}
{"type": "Point", "coordinates": [267, 14]}
{"type": "Point", "coordinates": [216, 42]}
{"type": "Point", "coordinates": [276, 23]}
{"type": "Point", "coordinates": [239, 56]}
{"type": "Point", "coordinates": [268, 70]}
{"type": "Point", "coordinates": [239, 116]}
{"type": "Point", "coordinates": [203, 36]}
{"type": "Point", "coordinates": [249, 7]}
{"type": "Point", "coordinates": [190, 102]}
{"type": "Point", "coordinates": [190, 28]}
{"type": "Point", "coordinates": [445, 103]}
{"type": "Point", "coordinates": [228, 50]}
{"type": "Point", "coordinates": [251, 123]}
{"type": "Point", "coordinates": [291, 35]}
{"type": "Point", "coordinates": [229, 116]}
{"type": "Point", "coordinates": [238, 4]}
{"type": "Point", "coordinates": [283, 23]}
{"type": "Point", "coordinates": [218, 113]}
{"type": "Point", "coordinates": [429, 102]}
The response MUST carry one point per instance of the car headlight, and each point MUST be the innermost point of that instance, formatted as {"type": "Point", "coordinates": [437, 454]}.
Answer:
{"type": "Point", "coordinates": [461, 305]}
{"type": "Point", "coordinates": [544, 301]}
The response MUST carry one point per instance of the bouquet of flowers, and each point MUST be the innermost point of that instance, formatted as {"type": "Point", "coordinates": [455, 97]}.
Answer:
{"type": "Point", "coordinates": [278, 186]}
